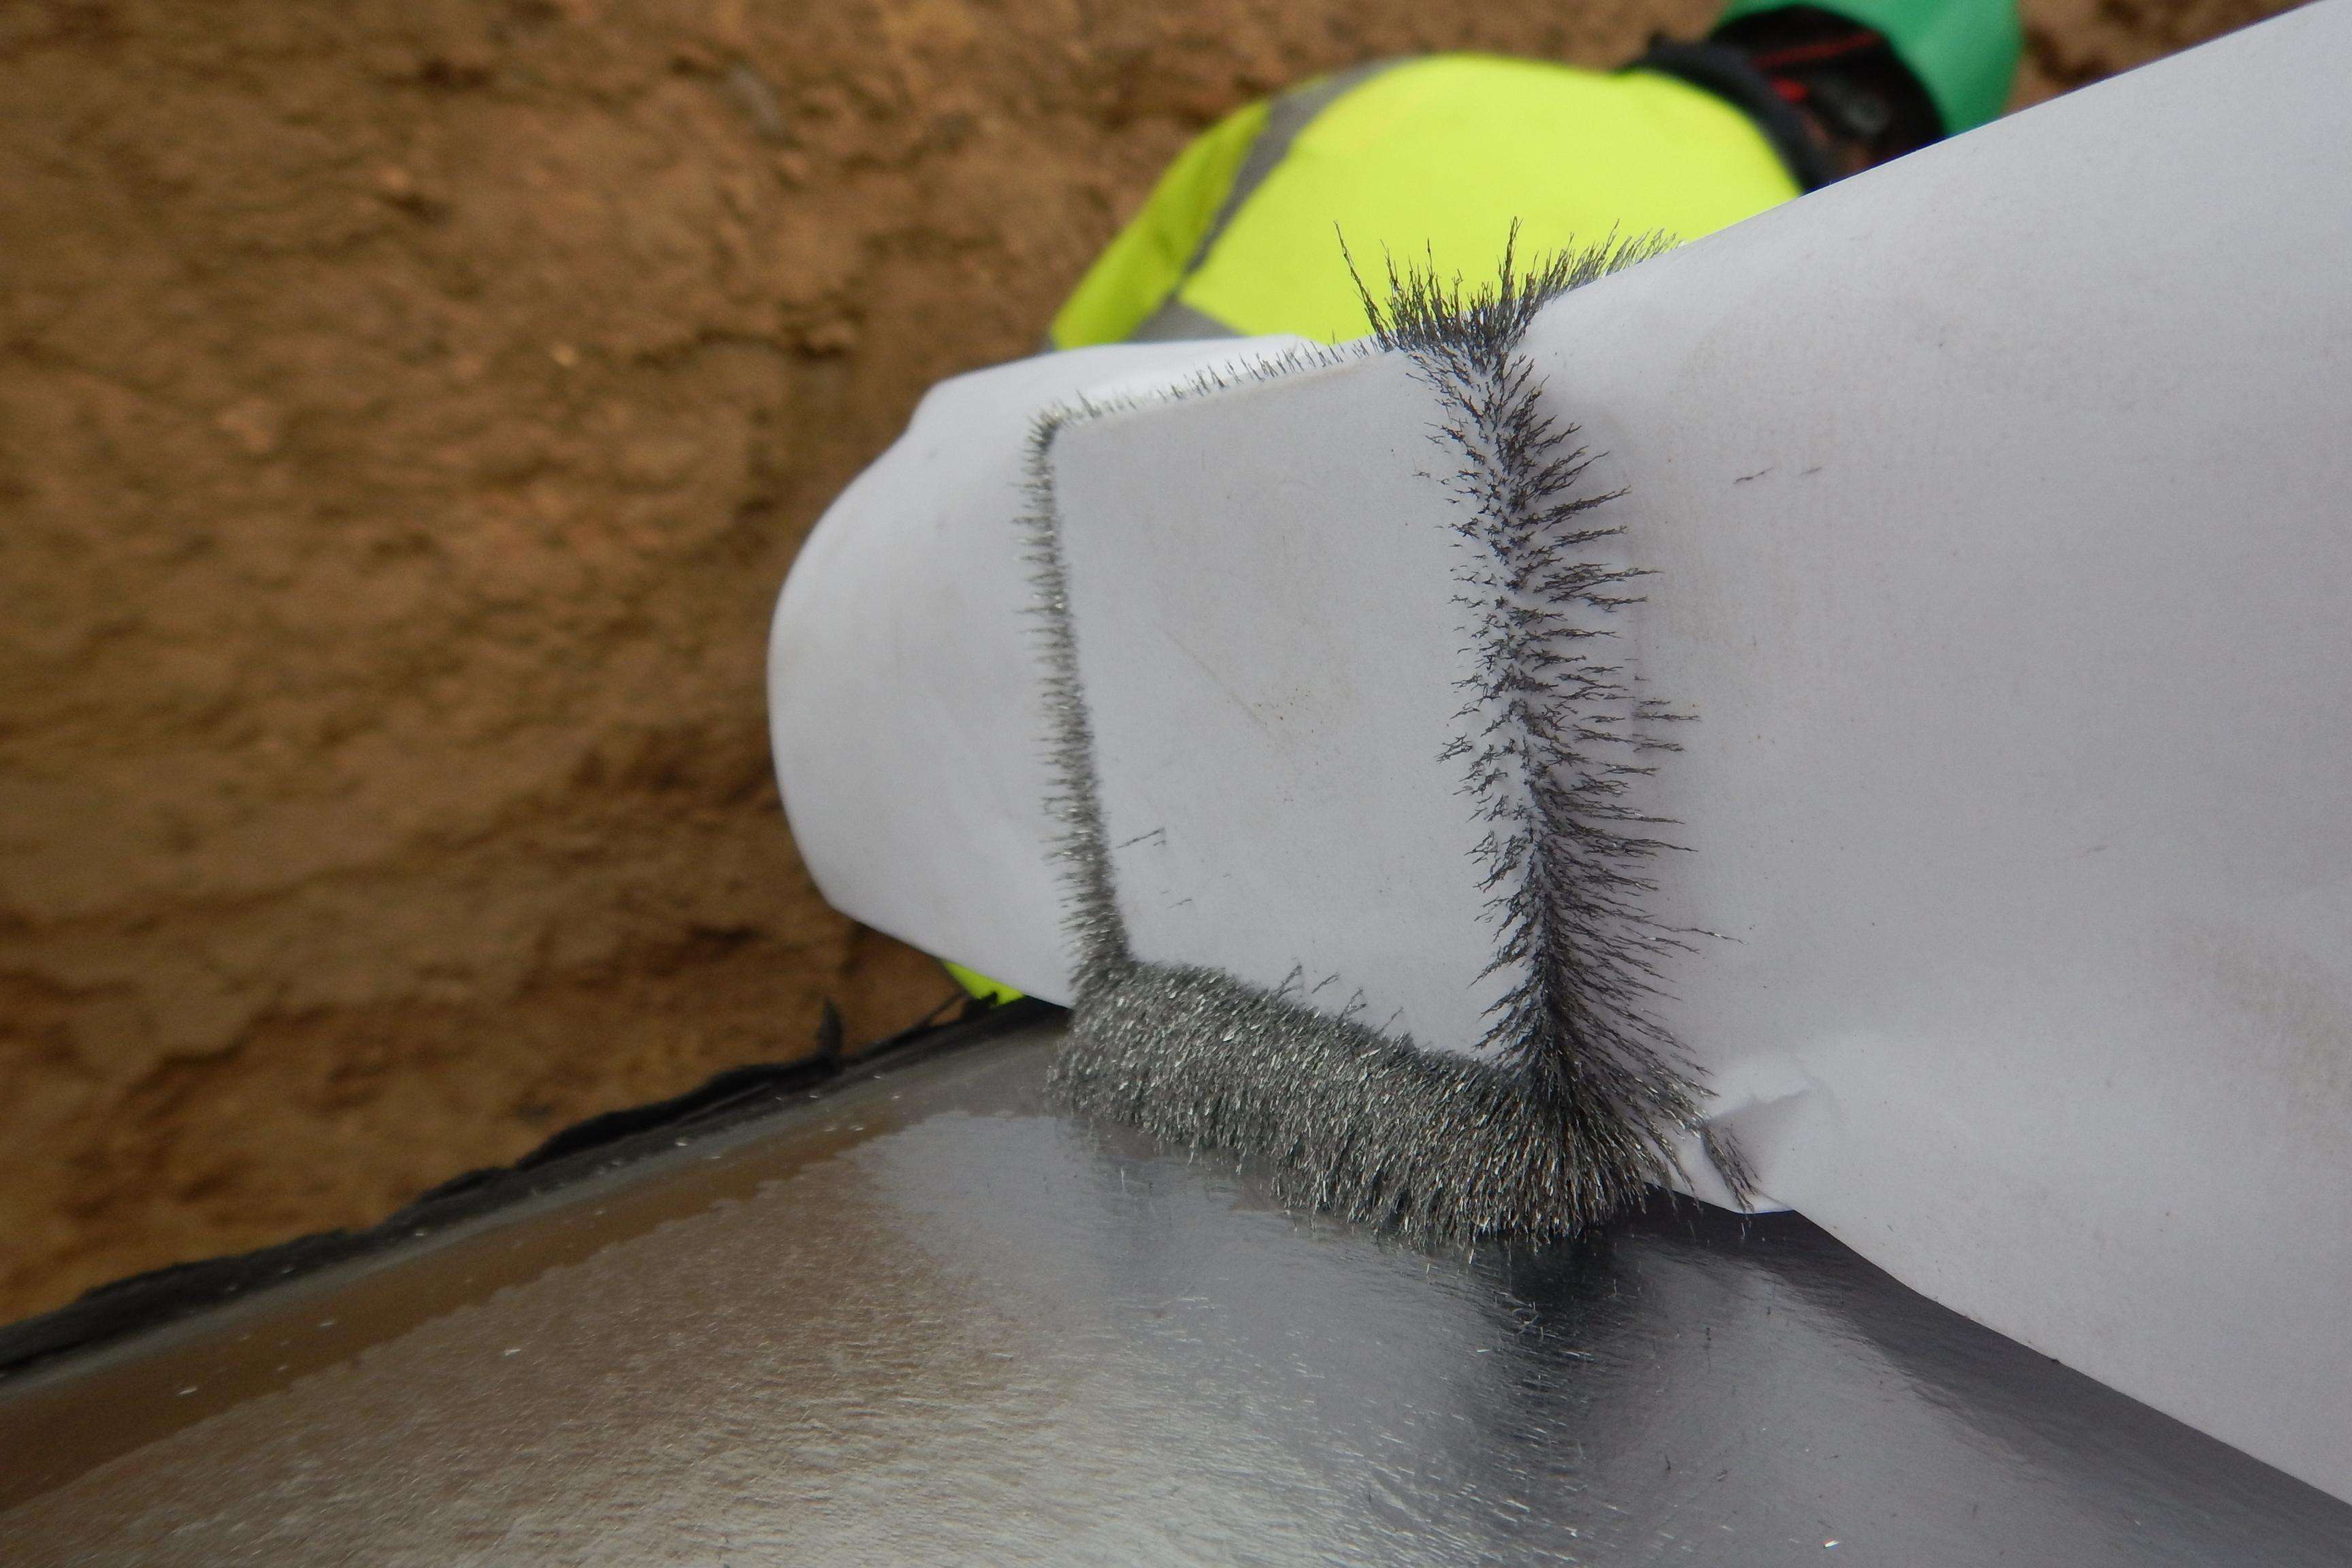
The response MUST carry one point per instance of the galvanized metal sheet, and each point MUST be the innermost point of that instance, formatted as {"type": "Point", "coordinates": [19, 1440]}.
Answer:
{"type": "Point", "coordinates": [931, 1320]}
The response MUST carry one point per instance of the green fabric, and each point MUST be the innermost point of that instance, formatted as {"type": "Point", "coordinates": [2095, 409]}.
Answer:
{"type": "Point", "coordinates": [1432, 161]}
{"type": "Point", "coordinates": [1964, 52]}
{"type": "Point", "coordinates": [1130, 279]}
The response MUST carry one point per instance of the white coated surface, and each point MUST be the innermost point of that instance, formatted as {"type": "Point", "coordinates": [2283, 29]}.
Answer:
{"type": "Point", "coordinates": [903, 675]}
{"type": "Point", "coordinates": [1262, 585]}
{"type": "Point", "coordinates": [2001, 500]}
{"type": "Point", "coordinates": [2003, 511]}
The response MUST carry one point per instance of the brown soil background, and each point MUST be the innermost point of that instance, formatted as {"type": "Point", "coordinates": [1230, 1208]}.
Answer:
{"type": "Point", "coordinates": [408, 410]}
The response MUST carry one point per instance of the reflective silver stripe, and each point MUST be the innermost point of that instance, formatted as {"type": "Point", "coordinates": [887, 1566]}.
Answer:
{"type": "Point", "coordinates": [1175, 321]}
{"type": "Point", "coordinates": [1291, 113]}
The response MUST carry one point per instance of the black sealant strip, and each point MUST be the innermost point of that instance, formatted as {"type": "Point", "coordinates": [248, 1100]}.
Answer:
{"type": "Point", "coordinates": [604, 1143]}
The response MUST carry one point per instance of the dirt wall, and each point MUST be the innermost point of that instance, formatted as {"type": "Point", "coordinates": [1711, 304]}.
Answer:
{"type": "Point", "coordinates": [407, 412]}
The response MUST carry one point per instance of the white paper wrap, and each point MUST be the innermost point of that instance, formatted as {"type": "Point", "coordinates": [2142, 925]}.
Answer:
{"type": "Point", "coordinates": [2000, 507]}
{"type": "Point", "coordinates": [904, 675]}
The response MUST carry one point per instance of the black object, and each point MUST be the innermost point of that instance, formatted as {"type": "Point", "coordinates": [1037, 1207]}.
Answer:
{"type": "Point", "coordinates": [1832, 97]}
{"type": "Point", "coordinates": [1727, 73]}
{"type": "Point", "coordinates": [600, 1143]}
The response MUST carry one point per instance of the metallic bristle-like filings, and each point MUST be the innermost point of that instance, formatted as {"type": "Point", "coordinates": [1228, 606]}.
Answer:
{"type": "Point", "coordinates": [1568, 1110]}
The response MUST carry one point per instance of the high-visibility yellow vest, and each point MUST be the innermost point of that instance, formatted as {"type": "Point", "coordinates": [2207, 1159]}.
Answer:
{"type": "Point", "coordinates": [1432, 163]}
{"type": "Point", "coordinates": [1429, 163]}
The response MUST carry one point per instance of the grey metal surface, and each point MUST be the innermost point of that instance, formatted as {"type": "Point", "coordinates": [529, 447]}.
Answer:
{"type": "Point", "coordinates": [930, 1321]}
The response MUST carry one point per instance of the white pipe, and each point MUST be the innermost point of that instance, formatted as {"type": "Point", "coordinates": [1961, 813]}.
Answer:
{"type": "Point", "coordinates": [1998, 502]}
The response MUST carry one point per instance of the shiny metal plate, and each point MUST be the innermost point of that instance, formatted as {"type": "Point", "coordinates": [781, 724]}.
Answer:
{"type": "Point", "coordinates": [927, 1319]}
